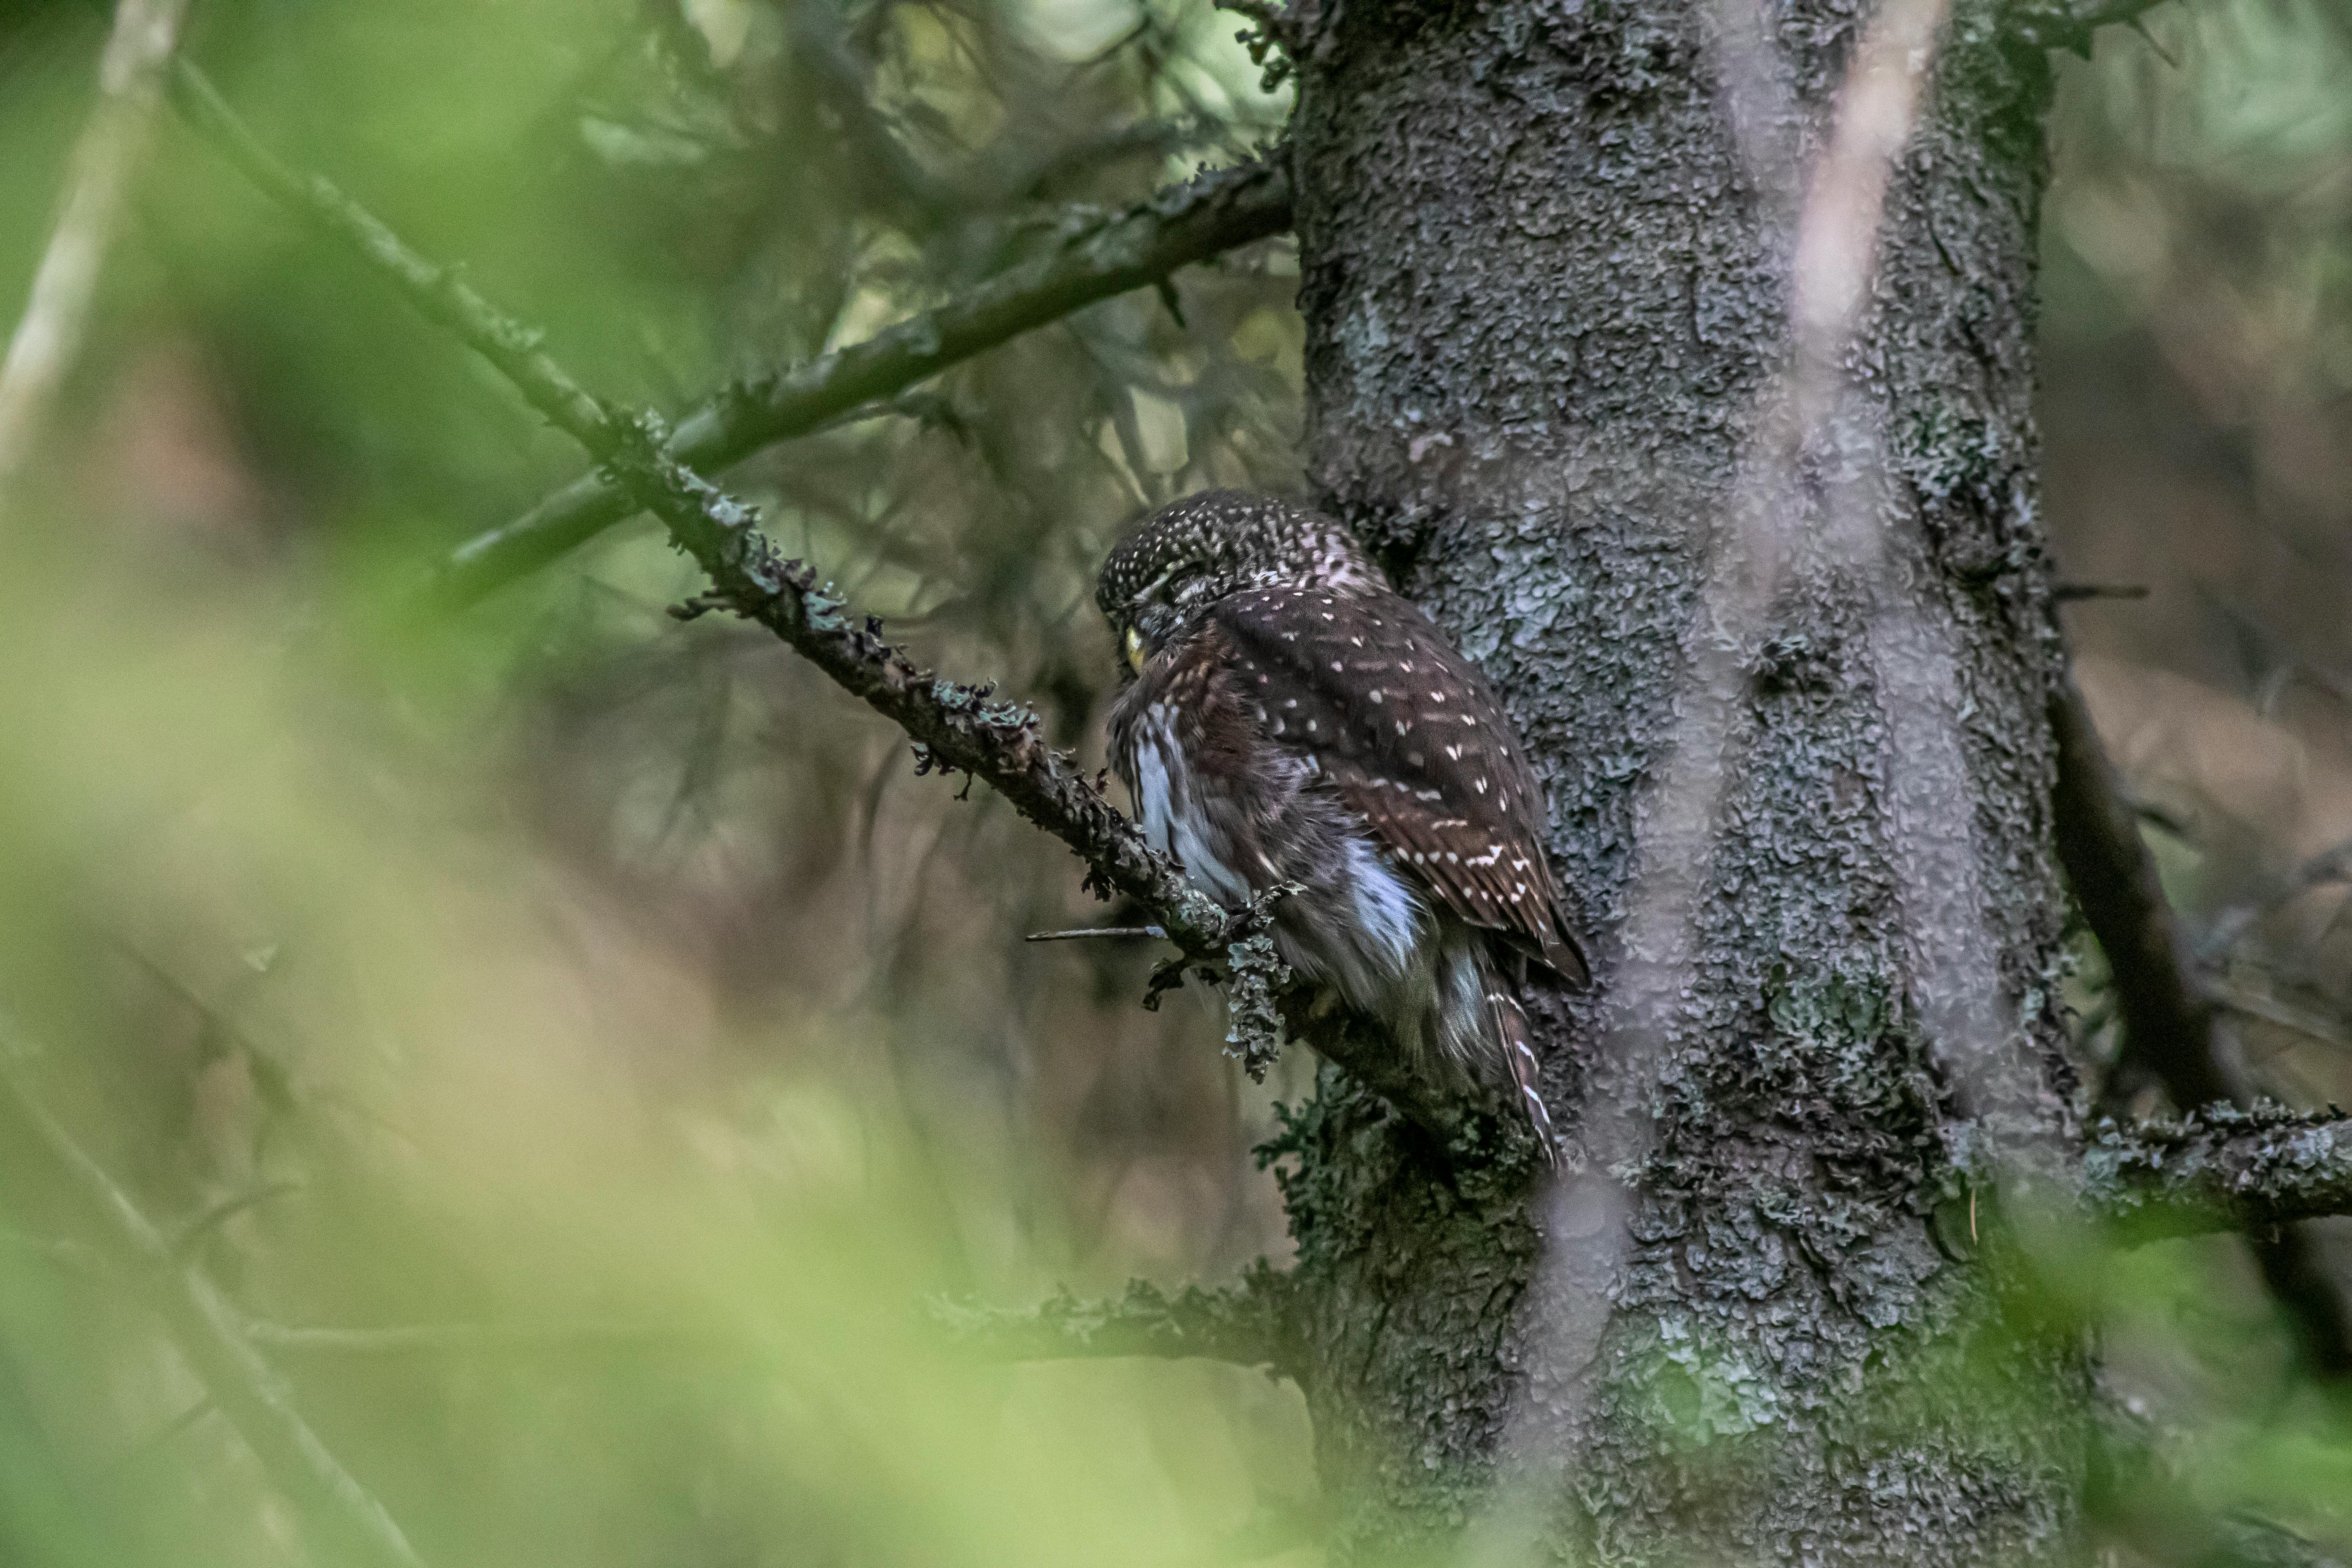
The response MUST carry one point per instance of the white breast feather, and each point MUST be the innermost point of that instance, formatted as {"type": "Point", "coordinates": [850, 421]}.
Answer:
{"type": "Point", "coordinates": [1388, 920]}
{"type": "Point", "coordinates": [1387, 911]}
{"type": "Point", "coordinates": [1172, 818]}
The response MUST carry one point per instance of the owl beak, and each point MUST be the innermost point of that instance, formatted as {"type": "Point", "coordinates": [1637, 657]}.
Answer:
{"type": "Point", "coordinates": [1135, 650]}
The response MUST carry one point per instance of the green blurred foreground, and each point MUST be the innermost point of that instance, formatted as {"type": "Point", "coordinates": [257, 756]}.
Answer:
{"type": "Point", "coordinates": [599, 1005]}
{"type": "Point", "coordinates": [495, 1105]}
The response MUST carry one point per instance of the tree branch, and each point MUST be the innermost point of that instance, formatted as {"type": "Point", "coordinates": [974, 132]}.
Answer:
{"type": "Point", "coordinates": [2069, 24]}
{"type": "Point", "coordinates": [2167, 1021]}
{"type": "Point", "coordinates": [49, 333]}
{"type": "Point", "coordinates": [2171, 1026]}
{"type": "Point", "coordinates": [953, 726]}
{"type": "Point", "coordinates": [208, 1329]}
{"type": "Point", "coordinates": [2219, 1169]}
{"type": "Point", "coordinates": [462, 1339]}
{"type": "Point", "coordinates": [1242, 1324]}
{"type": "Point", "coordinates": [1213, 214]}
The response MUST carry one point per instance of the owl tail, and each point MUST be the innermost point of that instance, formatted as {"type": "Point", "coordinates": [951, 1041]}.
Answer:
{"type": "Point", "coordinates": [1519, 1055]}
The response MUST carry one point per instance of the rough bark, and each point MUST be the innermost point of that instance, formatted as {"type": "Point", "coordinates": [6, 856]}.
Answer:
{"type": "Point", "coordinates": [1543, 293]}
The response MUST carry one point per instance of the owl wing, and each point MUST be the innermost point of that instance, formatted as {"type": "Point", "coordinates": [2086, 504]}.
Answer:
{"type": "Point", "coordinates": [1365, 686]}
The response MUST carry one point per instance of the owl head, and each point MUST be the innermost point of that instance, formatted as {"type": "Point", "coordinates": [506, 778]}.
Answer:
{"type": "Point", "coordinates": [1173, 563]}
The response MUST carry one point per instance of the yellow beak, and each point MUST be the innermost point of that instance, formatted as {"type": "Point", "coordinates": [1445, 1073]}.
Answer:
{"type": "Point", "coordinates": [1135, 650]}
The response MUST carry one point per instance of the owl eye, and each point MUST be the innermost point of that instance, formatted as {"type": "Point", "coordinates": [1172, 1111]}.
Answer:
{"type": "Point", "coordinates": [1135, 650]}
{"type": "Point", "coordinates": [1183, 578]}
{"type": "Point", "coordinates": [1170, 583]}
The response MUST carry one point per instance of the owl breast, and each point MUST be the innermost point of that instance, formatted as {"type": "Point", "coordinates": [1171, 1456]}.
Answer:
{"type": "Point", "coordinates": [1242, 813]}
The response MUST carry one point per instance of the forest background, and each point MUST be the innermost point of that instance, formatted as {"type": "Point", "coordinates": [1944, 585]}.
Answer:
{"type": "Point", "coordinates": [582, 1038]}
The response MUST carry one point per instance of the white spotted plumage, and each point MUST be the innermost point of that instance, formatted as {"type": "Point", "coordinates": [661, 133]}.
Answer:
{"type": "Point", "coordinates": [1267, 738]}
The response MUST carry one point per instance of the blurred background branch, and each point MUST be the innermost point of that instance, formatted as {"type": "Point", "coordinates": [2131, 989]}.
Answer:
{"type": "Point", "coordinates": [1242, 1324]}
{"type": "Point", "coordinates": [2168, 1022]}
{"type": "Point", "coordinates": [1093, 259]}
{"type": "Point", "coordinates": [2172, 1027]}
{"type": "Point", "coordinates": [49, 332]}
{"type": "Point", "coordinates": [205, 1325]}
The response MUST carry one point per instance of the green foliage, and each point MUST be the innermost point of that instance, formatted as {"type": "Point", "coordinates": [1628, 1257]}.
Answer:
{"type": "Point", "coordinates": [600, 1001]}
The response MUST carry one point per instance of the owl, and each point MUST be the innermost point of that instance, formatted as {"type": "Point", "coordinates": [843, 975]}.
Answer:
{"type": "Point", "coordinates": [1288, 718]}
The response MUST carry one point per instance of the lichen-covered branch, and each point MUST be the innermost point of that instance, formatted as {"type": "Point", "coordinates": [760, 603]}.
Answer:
{"type": "Point", "coordinates": [957, 727]}
{"type": "Point", "coordinates": [2171, 1026]}
{"type": "Point", "coordinates": [1276, 33]}
{"type": "Point", "coordinates": [953, 726]}
{"type": "Point", "coordinates": [2219, 1169]}
{"type": "Point", "coordinates": [1093, 259]}
{"type": "Point", "coordinates": [1255, 976]}
{"type": "Point", "coordinates": [1242, 1324]}
{"type": "Point", "coordinates": [208, 1329]}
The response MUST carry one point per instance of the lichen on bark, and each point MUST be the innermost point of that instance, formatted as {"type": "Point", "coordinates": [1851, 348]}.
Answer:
{"type": "Point", "coordinates": [1543, 294]}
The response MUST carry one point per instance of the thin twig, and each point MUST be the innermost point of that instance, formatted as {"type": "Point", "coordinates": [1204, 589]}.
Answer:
{"type": "Point", "coordinates": [156, 1441]}
{"type": "Point", "coordinates": [2137, 23]}
{"type": "Point", "coordinates": [269, 1075]}
{"type": "Point", "coordinates": [49, 336]}
{"type": "Point", "coordinates": [190, 1240]}
{"type": "Point", "coordinates": [2285, 1014]}
{"type": "Point", "coordinates": [1084, 933]}
{"type": "Point", "coordinates": [208, 1331]}
{"type": "Point", "coordinates": [2159, 816]}
{"type": "Point", "coordinates": [2076, 593]}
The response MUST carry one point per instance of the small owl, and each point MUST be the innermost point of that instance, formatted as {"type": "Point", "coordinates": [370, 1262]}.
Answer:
{"type": "Point", "coordinates": [1291, 719]}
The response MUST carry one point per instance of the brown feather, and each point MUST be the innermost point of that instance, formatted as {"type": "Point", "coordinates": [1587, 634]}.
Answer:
{"type": "Point", "coordinates": [1410, 733]}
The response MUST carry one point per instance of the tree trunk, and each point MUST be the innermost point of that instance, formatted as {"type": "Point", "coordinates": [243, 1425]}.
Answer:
{"type": "Point", "coordinates": [1543, 295]}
